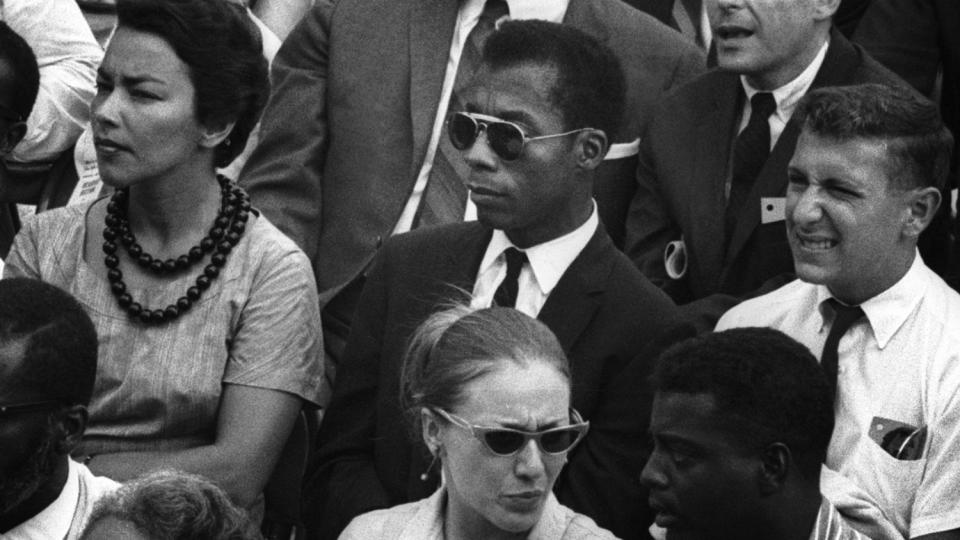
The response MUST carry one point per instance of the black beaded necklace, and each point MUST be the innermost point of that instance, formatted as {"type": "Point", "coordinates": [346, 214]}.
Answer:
{"type": "Point", "coordinates": [223, 236]}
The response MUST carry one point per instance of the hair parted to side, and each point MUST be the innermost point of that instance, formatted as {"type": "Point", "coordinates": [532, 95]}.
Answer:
{"type": "Point", "coordinates": [60, 341]}
{"type": "Point", "coordinates": [919, 143]}
{"type": "Point", "coordinates": [771, 386]}
{"type": "Point", "coordinates": [15, 51]}
{"type": "Point", "coordinates": [224, 52]}
{"type": "Point", "coordinates": [460, 344]}
{"type": "Point", "coordinates": [590, 90]}
{"type": "Point", "coordinates": [174, 505]}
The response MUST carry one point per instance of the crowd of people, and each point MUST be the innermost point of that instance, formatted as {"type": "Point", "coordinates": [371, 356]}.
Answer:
{"type": "Point", "coordinates": [546, 269]}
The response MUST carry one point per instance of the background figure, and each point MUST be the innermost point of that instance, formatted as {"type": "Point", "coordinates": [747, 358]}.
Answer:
{"type": "Point", "coordinates": [68, 56]}
{"type": "Point", "coordinates": [169, 505]}
{"type": "Point", "coordinates": [48, 360]}
{"type": "Point", "coordinates": [488, 392]}
{"type": "Point", "coordinates": [741, 421]}
{"type": "Point", "coordinates": [864, 183]}
{"type": "Point", "coordinates": [532, 130]}
{"type": "Point", "coordinates": [204, 311]}
{"type": "Point", "coordinates": [706, 222]}
{"type": "Point", "coordinates": [19, 84]}
{"type": "Point", "coordinates": [918, 40]}
{"type": "Point", "coordinates": [349, 139]}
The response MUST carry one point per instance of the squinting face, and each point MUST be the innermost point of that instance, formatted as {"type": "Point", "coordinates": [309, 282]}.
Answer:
{"type": "Point", "coordinates": [144, 117]}
{"type": "Point", "coordinates": [702, 483]}
{"type": "Point", "coordinates": [531, 198]}
{"type": "Point", "coordinates": [488, 492]}
{"type": "Point", "coordinates": [844, 222]}
{"type": "Point", "coordinates": [769, 41]}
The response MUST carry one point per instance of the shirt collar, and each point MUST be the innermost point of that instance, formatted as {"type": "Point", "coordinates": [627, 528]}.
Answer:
{"type": "Point", "coordinates": [887, 311]}
{"type": "Point", "coordinates": [548, 260]}
{"type": "Point", "coordinates": [788, 95]}
{"type": "Point", "coordinates": [544, 10]}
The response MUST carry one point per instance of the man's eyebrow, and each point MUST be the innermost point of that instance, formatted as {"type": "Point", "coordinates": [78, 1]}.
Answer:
{"type": "Point", "coordinates": [130, 79]}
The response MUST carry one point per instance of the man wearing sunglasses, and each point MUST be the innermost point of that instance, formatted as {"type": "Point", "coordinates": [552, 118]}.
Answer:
{"type": "Point", "coordinates": [740, 424]}
{"type": "Point", "coordinates": [865, 182]}
{"type": "Point", "coordinates": [533, 131]}
{"type": "Point", "coordinates": [48, 361]}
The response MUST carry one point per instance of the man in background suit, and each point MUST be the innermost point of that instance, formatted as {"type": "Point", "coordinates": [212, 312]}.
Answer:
{"type": "Point", "coordinates": [539, 247]}
{"type": "Point", "coordinates": [360, 92]}
{"type": "Point", "coordinates": [919, 40]}
{"type": "Point", "coordinates": [710, 186]}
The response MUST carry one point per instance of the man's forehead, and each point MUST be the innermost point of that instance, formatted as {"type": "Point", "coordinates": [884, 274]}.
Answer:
{"type": "Point", "coordinates": [11, 362]}
{"type": "Point", "coordinates": [522, 83]}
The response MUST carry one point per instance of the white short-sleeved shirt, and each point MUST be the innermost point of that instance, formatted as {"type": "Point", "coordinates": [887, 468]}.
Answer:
{"type": "Point", "coordinates": [900, 364]}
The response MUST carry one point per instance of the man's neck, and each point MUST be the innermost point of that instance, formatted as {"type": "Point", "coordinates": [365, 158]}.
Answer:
{"type": "Point", "coordinates": [771, 80]}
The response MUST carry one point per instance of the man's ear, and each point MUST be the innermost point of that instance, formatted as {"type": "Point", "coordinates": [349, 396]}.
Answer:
{"type": "Point", "coordinates": [825, 9]}
{"type": "Point", "coordinates": [923, 204]}
{"type": "Point", "coordinates": [71, 423]}
{"type": "Point", "coordinates": [591, 148]}
{"type": "Point", "coordinates": [775, 462]}
{"type": "Point", "coordinates": [212, 136]}
{"type": "Point", "coordinates": [12, 137]}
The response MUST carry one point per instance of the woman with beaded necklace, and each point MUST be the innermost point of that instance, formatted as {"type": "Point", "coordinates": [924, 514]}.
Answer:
{"type": "Point", "coordinates": [207, 315]}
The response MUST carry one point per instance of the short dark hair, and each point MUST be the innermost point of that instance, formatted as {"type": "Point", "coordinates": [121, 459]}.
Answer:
{"type": "Point", "coordinates": [919, 143]}
{"type": "Point", "coordinates": [60, 341]}
{"type": "Point", "coordinates": [590, 86]}
{"type": "Point", "coordinates": [761, 379]}
{"type": "Point", "coordinates": [15, 51]}
{"type": "Point", "coordinates": [175, 504]}
{"type": "Point", "coordinates": [460, 344]}
{"type": "Point", "coordinates": [224, 52]}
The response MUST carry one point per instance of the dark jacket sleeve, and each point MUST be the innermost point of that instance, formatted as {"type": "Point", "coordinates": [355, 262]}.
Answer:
{"type": "Point", "coordinates": [284, 174]}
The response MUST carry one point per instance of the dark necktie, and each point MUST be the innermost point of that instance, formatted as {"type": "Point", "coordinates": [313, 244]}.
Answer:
{"type": "Point", "coordinates": [844, 318]}
{"type": "Point", "coordinates": [445, 196]}
{"type": "Point", "coordinates": [506, 295]}
{"type": "Point", "coordinates": [750, 152]}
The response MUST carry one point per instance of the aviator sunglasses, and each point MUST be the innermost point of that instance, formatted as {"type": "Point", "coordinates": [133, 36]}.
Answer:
{"type": "Point", "coordinates": [504, 441]}
{"type": "Point", "coordinates": [505, 138]}
{"type": "Point", "coordinates": [31, 406]}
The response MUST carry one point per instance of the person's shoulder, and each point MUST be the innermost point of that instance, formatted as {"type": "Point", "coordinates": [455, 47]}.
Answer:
{"type": "Point", "coordinates": [635, 29]}
{"type": "Point", "coordinates": [383, 524]}
{"type": "Point", "coordinates": [765, 309]}
{"type": "Point", "coordinates": [582, 527]}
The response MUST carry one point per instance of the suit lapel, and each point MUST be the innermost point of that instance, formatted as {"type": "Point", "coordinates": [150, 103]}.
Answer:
{"type": "Point", "coordinates": [464, 257]}
{"type": "Point", "coordinates": [841, 60]}
{"type": "Point", "coordinates": [712, 163]}
{"type": "Point", "coordinates": [578, 294]}
{"type": "Point", "coordinates": [431, 31]}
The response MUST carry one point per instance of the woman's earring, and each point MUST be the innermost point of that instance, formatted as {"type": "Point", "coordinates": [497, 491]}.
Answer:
{"type": "Point", "coordinates": [424, 476]}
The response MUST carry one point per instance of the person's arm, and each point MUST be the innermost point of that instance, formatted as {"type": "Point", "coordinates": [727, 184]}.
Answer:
{"type": "Point", "coordinates": [252, 426]}
{"type": "Point", "coordinates": [284, 174]}
{"type": "Point", "coordinates": [68, 57]}
{"type": "Point", "coordinates": [649, 225]}
{"type": "Point", "coordinates": [345, 483]}
{"type": "Point", "coordinates": [275, 364]}
{"type": "Point", "coordinates": [24, 257]}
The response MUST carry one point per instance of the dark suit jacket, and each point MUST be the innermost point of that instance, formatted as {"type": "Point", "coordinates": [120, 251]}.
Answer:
{"type": "Point", "coordinates": [919, 39]}
{"type": "Point", "coordinates": [355, 92]}
{"type": "Point", "coordinates": [603, 312]}
{"type": "Point", "coordinates": [684, 165]}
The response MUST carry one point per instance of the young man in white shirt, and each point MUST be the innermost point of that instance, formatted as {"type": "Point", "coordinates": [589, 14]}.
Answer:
{"type": "Point", "coordinates": [48, 361]}
{"type": "Point", "coordinates": [864, 183]}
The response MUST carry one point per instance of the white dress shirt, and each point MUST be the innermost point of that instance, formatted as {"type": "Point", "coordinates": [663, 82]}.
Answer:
{"type": "Point", "coordinates": [68, 57]}
{"type": "Point", "coordinates": [470, 10]}
{"type": "Point", "coordinates": [546, 264]}
{"type": "Point", "coordinates": [66, 516]}
{"type": "Point", "coordinates": [901, 364]}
